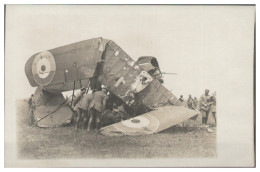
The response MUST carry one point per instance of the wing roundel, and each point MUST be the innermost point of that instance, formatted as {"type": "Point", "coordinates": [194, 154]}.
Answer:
{"type": "Point", "coordinates": [43, 68]}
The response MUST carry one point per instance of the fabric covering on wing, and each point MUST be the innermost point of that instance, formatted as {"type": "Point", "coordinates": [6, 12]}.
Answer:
{"type": "Point", "coordinates": [151, 122]}
{"type": "Point", "coordinates": [51, 109]}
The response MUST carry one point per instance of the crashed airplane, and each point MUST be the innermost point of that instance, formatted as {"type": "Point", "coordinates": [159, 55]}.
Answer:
{"type": "Point", "coordinates": [95, 62]}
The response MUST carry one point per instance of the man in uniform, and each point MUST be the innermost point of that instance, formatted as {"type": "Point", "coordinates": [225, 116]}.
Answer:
{"type": "Point", "coordinates": [82, 109]}
{"type": "Point", "coordinates": [121, 112]}
{"type": "Point", "coordinates": [195, 103]}
{"type": "Point", "coordinates": [205, 106]}
{"type": "Point", "coordinates": [181, 98]}
{"type": "Point", "coordinates": [31, 109]}
{"type": "Point", "coordinates": [97, 108]}
{"type": "Point", "coordinates": [189, 102]}
{"type": "Point", "coordinates": [213, 107]}
{"type": "Point", "coordinates": [79, 97]}
{"type": "Point", "coordinates": [30, 100]}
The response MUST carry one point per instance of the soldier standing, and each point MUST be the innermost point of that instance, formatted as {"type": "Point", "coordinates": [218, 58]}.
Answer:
{"type": "Point", "coordinates": [213, 107]}
{"type": "Point", "coordinates": [195, 103]}
{"type": "Point", "coordinates": [79, 97]}
{"type": "Point", "coordinates": [189, 102]}
{"type": "Point", "coordinates": [205, 106]}
{"type": "Point", "coordinates": [31, 109]}
{"type": "Point", "coordinates": [30, 100]}
{"type": "Point", "coordinates": [97, 108]}
{"type": "Point", "coordinates": [82, 109]}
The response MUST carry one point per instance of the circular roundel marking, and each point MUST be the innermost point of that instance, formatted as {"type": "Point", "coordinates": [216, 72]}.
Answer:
{"type": "Point", "coordinates": [137, 122]}
{"type": "Point", "coordinates": [43, 68]}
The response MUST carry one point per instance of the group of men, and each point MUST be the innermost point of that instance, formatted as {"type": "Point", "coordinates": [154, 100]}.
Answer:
{"type": "Point", "coordinates": [89, 109]}
{"type": "Point", "coordinates": [205, 104]}
{"type": "Point", "coordinates": [191, 103]}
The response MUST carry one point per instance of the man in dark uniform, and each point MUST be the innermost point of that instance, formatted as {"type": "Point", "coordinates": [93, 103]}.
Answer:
{"type": "Point", "coordinates": [121, 112]}
{"type": "Point", "coordinates": [97, 108]}
{"type": "Point", "coordinates": [30, 100]}
{"type": "Point", "coordinates": [116, 115]}
{"type": "Point", "coordinates": [181, 98]}
{"type": "Point", "coordinates": [205, 106]}
{"type": "Point", "coordinates": [189, 102]}
{"type": "Point", "coordinates": [31, 109]}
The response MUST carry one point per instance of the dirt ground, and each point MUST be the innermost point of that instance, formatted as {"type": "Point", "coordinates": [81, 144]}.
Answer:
{"type": "Point", "coordinates": [66, 142]}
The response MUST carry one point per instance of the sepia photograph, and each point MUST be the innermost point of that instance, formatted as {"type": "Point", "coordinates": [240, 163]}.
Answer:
{"type": "Point", "coordinates": [129, 85]}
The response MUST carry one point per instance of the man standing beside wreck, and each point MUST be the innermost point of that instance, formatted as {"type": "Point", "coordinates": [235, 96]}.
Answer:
{"type": "Point", "coordinates": [75, 106]}
{"type": "Point", "coordinates": [213, 107]}
{"type": "Point", "coordinates": [31, 109]}
{"type": "Point", "coordinates": [97, 108]}
{"type": "Point", "coordinates": [83, 110]}
{"type": "Point", "coordinates": [189, 102]}
{"type": "Point", "coordinates": [195, 103]}
{"type": "Point", "coordinates": [205, 106]}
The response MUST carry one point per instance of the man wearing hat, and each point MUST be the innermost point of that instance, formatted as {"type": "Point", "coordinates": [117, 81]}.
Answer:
{"type": "Point", "coordinates": [97, 108]}
{"type": "Point", "coordinates": [205, 106]}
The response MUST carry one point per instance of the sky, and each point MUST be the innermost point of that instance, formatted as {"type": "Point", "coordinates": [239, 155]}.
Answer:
{"type": "Point", "coordinates": [199, 43]}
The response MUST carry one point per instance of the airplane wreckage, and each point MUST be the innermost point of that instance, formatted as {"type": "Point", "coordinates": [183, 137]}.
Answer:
{"type": "Point", "coordinates": [95, 62]}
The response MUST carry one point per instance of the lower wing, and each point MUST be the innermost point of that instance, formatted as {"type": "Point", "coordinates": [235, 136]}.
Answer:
{"type": "Point", "coordinates": [150, 122]}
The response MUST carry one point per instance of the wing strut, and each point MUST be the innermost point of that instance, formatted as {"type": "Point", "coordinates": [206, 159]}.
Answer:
{"type": "Point", "coordinates": [62, 105]}
{"type": "Point", "coordinates": [73, 93]}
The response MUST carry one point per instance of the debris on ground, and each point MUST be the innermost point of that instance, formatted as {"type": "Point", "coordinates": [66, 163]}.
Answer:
{"type": "Point", "coordinates": [209, 130]}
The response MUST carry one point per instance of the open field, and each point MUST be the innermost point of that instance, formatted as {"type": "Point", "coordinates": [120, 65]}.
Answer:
{"type": "Point", "coordinates": [66, 142]}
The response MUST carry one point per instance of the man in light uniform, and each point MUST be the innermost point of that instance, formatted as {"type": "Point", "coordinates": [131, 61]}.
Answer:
{"type": "Point", "coordinates": [97, 108]}
{"type": "Point", "coordinates": [213, 107]}
{"type": "Point", "coordinates": [82, 109]}
{"type": "Point", "coordinates": [195, 103]}
{"type": "Point", "coordinates": [75, 105]}
{"type": "Point", "coordinates": [205, 106]}
{"type": "Point", "coordinates": [189, 102]}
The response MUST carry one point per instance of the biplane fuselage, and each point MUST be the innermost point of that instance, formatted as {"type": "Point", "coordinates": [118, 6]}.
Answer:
{"type": "Point", "coordinates": [85, 63]}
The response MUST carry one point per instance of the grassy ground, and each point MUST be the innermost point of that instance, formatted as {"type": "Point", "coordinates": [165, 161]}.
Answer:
{"type": "Point", "coordinates": [66, 142]}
